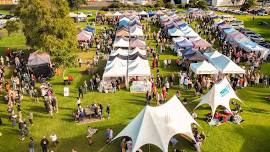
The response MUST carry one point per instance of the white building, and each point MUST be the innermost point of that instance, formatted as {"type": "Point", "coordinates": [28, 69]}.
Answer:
{"type": "Point", "coordinates": [227, 2]}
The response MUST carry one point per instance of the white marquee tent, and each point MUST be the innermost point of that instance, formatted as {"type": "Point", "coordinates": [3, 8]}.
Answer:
{"type": "Point", "coordinates": [115, 68]}
{"type": "Point", "coordinates": [120, 51]}
{"type": "Point", "coordinates": [143, 13]}
{"type": "Point", "coordinates": [121, 42]}
{"type": "Point", "coordinates": [210, 55]}
{"type": "Point", "coordinates": [136, 31]}
{"type": "Point", "coordinates": [219, 95]}
{"type": "Point", "coordinates": [203, 68]}
{"type": "Point", "coordinates": [139, 67]}
{"type": "Point", "coordinates": [117, 14]}
{"type": "Point", "coordinates": [157, 125]}
{"type": "Point", "coordinates": [141, 51]}
{"type": "Point", "coordinates": [175, 32]}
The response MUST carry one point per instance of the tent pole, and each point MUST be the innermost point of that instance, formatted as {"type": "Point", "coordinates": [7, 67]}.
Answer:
{"type": "Point", "coordinates": [148, 147]}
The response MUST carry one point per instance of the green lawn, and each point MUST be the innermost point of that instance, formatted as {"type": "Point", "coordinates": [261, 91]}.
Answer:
{"type": "Point", "coordinates": [14, 41]}
{"type": "Point", "coordinates": [252, 135]}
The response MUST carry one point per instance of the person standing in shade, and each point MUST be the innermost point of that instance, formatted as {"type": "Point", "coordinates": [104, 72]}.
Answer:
{"type": "Point", "coordinates": [78, 101]}
{"type": "Point", "coordinates": [44, 144]}
{"type": "Point", "coordinates": [108, 110]}
{"type": "Point", "coordinates": [110, 135]}
{"type": "Point", "coordinates": [31, 145]}
{"type": "Point", "coordinates": [31, 118]}
{"type": "Point", "coordinates": [80, 89]}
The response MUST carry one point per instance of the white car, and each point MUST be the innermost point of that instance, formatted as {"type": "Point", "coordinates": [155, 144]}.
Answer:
{"type": "Point", "coordinates": [255, 38]}
{"type": "Point", "coordinates": [237, 23]}
{"type": "Point", "coordinates": [262, 14]}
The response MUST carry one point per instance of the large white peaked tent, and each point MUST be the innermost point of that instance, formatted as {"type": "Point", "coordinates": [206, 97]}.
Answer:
{"type": "Point", "coordinates": [157, 125]}
{"type": "Point", "coordinates": [121, 42]}
{"type": "Point", "coordinates": [203, 68]}
{"type": "Point", "coordinates": [139, 67]}
{"type": "Point", "coordinates": [219, 95]}
{"type": "Point", "coordinates": [115, 68]}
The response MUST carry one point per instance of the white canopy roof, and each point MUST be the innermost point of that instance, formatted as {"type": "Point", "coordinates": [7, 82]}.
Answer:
{"type": "Point", "coordinates": [141, 51]}
{"type": "Point", "coordinates": [210, 55]}
{"type": "Point", "coordinates": [138, 67]}
{"type": "Point", "coordinates": [71, 14]}
{"type": "Point", "coordinates": [157, 125]}
{"type": "Point", "coordinates": [175, 32]}
{"type": "Point", "coordinates": [121, 42]}
{"type": "Point", "coordinates": [178, 39]}
{"type": "Point", "coordinates": [225, 65]}
{"type": "Point", "coordinates": [219, 95]}
{"type": "Point", "coordinates": [115, 68]}
{"type": "Point", "coordinates": [136, 31]}
{"type": "Point", "coordinates": [82, 15]}
{"type": "Point", "coordinates": [120, 51]}
{"type": "Point", "coordinates": [124, 18]}
{"type": "Point", "coordinates": [143, 13]}
{"type": "Point", "coordinates": [191, 34]}
{"type": "Point", "coordinates": [203, 68]}
{"type": "Point", "coordinates": [117, 14]}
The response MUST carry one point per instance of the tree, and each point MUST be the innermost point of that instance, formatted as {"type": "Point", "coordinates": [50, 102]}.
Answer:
{"type": "Point", "coordinates": [159, 3]}
{"type": "Point", "coordinates": [12, 26]}
{"type": "Point", "coordinates": [47, 27]}
{"type": "Point", "coordinates": [248, 4]}
{"type": "Point", "coordinates": [75, 4]}
{"type": "Point", "coordinates": [198, 4]}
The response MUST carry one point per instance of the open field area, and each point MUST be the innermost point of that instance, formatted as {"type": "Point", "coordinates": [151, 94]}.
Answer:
{"type": "Point", "coordinates": [252, 135]}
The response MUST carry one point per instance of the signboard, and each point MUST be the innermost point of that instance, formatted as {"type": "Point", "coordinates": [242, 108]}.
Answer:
{"type": "Point", "coordinates": [225, 91]}
{"type": "Point", "coordinates": [66, 91]}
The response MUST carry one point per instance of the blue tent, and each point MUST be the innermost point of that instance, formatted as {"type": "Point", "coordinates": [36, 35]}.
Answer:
{"type": "Point", "coordinates": [89, 29]}
{"type": "Point", "coordinates": [229, 30]}
{"type": "Point", "coordinates": [184, 44]}
{"type": "Point", "coordinates": [151, 13]}
{"type": "Point", "coordinates": [123, 23]}
{"type": "Point", "coordinates": [189, 51]}
{"type": "Point", "coordinates": [183, 25]}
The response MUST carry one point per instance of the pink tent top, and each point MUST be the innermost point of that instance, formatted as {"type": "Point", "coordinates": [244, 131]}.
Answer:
{"type": "Point", "coordinates": [201, 43]}
{"type": "Point", "coordinates": [84, 36]}
{"type": "Point", "coordinates": [122, 32]}
{"type": "Point", "coordinates": [137, 43]}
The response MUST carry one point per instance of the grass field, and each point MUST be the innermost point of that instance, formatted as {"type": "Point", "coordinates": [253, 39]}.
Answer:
{"type": "Point", "coordinates": [252, 135]}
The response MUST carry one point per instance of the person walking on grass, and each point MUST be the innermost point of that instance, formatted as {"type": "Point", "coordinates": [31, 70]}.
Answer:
{"type": "Point", "coordinates": [44, 144]}
{"type": "Point", "coordinates": [108, 110]}
{"type": "Point", "coordinates": [80, 89]}
{"type": "Point", "coordinates": [31, 118]}
{"type": "Point", "coordinates": [31, 145]}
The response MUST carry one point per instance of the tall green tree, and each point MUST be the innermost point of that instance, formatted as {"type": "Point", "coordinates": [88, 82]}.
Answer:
{"type": "Point", "coordinates": [248, 4]}
{"type": "Point", "coordinates": [47, 27]}
{"type": "Point", "coordinates": [75, 4]}
{"type": "Point", "coordinates": [12, 26]}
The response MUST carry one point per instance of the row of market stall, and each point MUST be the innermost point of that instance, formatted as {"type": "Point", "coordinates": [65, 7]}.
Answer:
{"type": "Point", "coordinates": [237, 39]}
{"type": "Point", "coordinates": [127, 61]}
{"type": "Point", "coordinates": [188, 44]}
{"type": "Point", "coordinates": [129, 13]}
{"type": "Point", "coordinates": [185, 41]}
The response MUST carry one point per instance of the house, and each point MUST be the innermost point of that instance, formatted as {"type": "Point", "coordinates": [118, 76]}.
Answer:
{"type": "Point", "coordinates": [9, 2]}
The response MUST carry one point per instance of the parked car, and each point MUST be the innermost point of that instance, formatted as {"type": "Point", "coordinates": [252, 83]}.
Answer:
{"type": "Point", "coordinates": [89, 14]}
{"type": "Point", "coordinates": [256, 38]}
{"type": "Point", "coordinates": [264, 44]}
{"type": "Point", "coordinates": [262, 13]}
{"type": "Point", "coordinates": [237, 24]}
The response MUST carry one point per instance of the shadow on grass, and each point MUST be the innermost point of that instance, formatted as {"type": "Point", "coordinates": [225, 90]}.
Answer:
{"type": "Point", "coordinates": [256, 138]}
